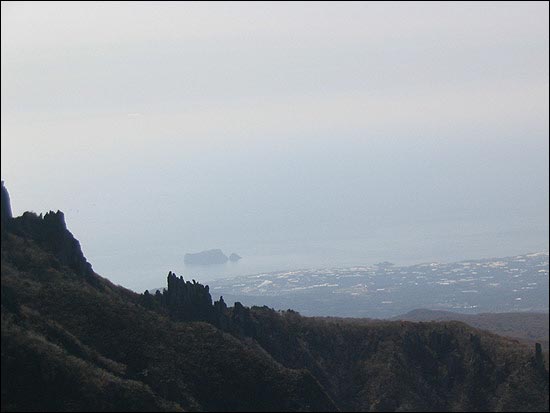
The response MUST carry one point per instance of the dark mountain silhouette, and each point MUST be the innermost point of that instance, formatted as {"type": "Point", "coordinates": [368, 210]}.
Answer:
{"type": "Point", "coordinates": [5, 209]}
{"type": "Point", "coordinates": [71, 340]}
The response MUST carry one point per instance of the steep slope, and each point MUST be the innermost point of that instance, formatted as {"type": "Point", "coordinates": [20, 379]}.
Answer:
{"type": "Point", "coordinates": [72, 340]}
{"type": "Point", "coordinates": [46, 368]}
{"type": "Point", "coordinates": [70, 336]}
{"type": "Point", "coordinates": [394, 366]}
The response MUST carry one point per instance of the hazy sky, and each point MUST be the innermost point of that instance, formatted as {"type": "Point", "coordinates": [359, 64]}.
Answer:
{"type": "Point", "coordinates": [248, 125]}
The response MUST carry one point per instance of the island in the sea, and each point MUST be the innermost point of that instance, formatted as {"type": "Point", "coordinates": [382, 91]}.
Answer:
{"type": "Point", "coordinates": [209, 257]}
{"type": "Point", "coordinates": [234, 257]}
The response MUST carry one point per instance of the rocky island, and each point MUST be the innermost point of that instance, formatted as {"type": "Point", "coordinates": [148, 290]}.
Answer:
{"type": "Point", "coordinates": [234, 257]}
{"type": "Point", "coordinates": [210, 257]}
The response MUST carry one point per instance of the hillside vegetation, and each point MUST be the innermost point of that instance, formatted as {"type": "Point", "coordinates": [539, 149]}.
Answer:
{"type": "Point", "coordinates": [529, 328]}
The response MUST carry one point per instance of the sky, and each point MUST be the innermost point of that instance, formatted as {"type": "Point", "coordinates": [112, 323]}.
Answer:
{"type": "Point", "coordinates": [349, 130]}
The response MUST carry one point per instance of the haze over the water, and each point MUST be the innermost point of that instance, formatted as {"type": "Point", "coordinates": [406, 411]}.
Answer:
{"type": "Point", "coordinates": [294, 134]}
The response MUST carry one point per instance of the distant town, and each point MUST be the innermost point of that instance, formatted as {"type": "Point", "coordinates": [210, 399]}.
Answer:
{"type": "Point", "coordinates": [518, 283]}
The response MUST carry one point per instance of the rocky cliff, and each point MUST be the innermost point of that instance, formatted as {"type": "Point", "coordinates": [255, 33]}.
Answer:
{"type": "Point", "coordinates": [49, 231]}
{"type": "Point", "coordinates": [6, 206]}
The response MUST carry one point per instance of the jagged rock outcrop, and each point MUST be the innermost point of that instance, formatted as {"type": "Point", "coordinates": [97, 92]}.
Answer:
{"type": "Point", "coordinates": [220, 312]}
{"type": "Point", "coordinates": [539, 358]}
{"type": "Point", "coordinates": [241, 322]}
{"type": "Point", "coordinates": [186, 301]}
{"type": "Point", "coordinates": [6, 206]}
{"type": "Point", "coordinates": [49, 232]}
{"type": "Point", "coordinates": [191, 301]}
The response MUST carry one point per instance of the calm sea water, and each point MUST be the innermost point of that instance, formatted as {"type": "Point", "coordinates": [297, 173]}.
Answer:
{"type": "Point", "coordinates": [148, 268]}
{"type": "Point", "coordinates": [309, 203]}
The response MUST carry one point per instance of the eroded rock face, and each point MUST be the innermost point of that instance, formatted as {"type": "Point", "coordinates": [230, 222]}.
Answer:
{"type": "Point", "coordinates": [188, 301]}
{"type": "Point", "coordinates": [49, 231]}
{"type": "Point", "coordinates": [6, 206]}
{"type": "Point", "coordinates": [191, 301]}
